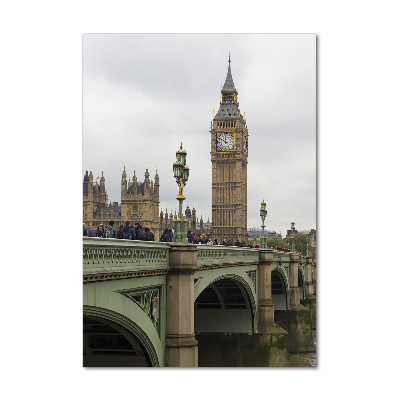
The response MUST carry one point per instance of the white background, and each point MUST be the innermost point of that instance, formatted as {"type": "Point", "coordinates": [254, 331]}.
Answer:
{"type": "Point", "coordinates": [358, 106]}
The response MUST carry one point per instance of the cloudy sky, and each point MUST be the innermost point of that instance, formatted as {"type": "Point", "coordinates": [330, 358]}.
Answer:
{"type": "Point", "coordinates": [144, 94]}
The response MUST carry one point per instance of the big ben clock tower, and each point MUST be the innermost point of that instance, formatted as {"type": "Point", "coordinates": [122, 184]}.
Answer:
{"type": "Point", "coordinates": [229, 151]}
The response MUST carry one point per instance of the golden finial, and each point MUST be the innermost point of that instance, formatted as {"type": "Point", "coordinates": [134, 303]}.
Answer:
{"type": "Point", "coordinates": [229, 59]}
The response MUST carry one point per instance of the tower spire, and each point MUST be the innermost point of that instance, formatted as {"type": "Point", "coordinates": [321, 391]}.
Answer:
{"type": "Point", "coordinates": [229, 61]}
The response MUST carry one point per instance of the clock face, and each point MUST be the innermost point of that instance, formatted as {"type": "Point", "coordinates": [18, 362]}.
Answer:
{"type": "Point", "coordinates": [225, 141]}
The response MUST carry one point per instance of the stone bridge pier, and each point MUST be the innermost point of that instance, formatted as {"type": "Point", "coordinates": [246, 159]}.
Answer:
{"type": "Point", "coordinates": [180, 343]}
{"type": "Point", "coordinates": [310, 299]}
{"type": "Point", "coordinates": [274, 337]}
{"type": "Point", "coordinates": [297, 320]}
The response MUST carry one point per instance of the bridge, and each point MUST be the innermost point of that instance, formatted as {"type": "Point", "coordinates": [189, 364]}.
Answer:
{"type": "Point", "coordinates": [184, 305]}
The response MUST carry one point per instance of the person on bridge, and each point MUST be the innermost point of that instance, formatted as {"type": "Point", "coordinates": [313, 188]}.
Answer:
{"type": "Point", "coordinates": [111, 232]}
{"type": "Point", "coordinates": [203, 238]}
{"type": "Point", "coordinates": [149, 235]}
{"type": "Point", "coordinates": [100, 231]}
{"type": "Point", "coordinates": [127, 230]}
{"type": "Point", "coordinates": [140, 233]}
{"type": "Point", "coordinates": [119, 232]}
{"type": "Point", "coordinates": [224, 243]}
{"type": "Point", "coordinates": [189, 236]}
{"type": "Point", "coordinates": [237, 243]}
{"type": "Point", "coordinates": [84, 230]}
{"type": "Point", "coordinates": [164, 236]}
{"type": "Point", "coordinates": [92, 232]}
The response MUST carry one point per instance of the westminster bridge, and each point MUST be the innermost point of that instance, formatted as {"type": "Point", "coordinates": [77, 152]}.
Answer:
{"type": "Point", "coordinates": [185, 305]}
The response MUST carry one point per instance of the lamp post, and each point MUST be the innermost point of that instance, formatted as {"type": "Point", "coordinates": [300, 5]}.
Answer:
{"type": "Point", "coordinates": [181, 175]}
{"type": "Point", "coordinates": [292, 247]}
{"type": "Point", "coordinates": [263, 215]}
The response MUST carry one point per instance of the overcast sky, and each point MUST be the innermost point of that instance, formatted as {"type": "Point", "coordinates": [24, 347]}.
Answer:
{"type": "Point", "coordinates": [144, 94]}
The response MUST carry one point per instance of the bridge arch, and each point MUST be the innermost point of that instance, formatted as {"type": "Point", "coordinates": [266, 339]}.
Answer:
{"type": "Point", "coordinates": [109, 340]}
{"type": "Point", "coordinates": [226, 303]}
{"type": "Point", "coordinates": [280, 289]}
{"type": "Point", "coordinates": [125, 316]}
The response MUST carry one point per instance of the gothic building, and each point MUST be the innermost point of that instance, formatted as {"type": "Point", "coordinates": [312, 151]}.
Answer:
{"type": "Point", "coordinates": [139, 202]}
{"type": "Point", "coordinates": [95, 199]}
{"type": "Point", "coordinates": [229, 152]}
{"type": "Point", "coordinates": [197, 227]}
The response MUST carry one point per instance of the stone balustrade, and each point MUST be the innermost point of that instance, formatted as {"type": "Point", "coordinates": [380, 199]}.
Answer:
{"type": "Point", "coordinates": [99, 253]}
{"type": "Point", "coordinates": [110, 255]}
{"type": "Point", "coordinates": [225, 255]}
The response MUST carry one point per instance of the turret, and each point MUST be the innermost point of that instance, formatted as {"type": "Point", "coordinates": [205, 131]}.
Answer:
{"type": "Point", "coordinates": [90, 184]}
{"type": "Point", "coordinates": [102, 190]}
{"type": "Point", "coordinates": [166, 218]}
{"type": "Point", "coordinates": [86, 184]}
{"type": "Point", "coordinates": [193, 222]}
{"type": "Point", "coordinates": [124, 185]}
{"type": "Point", "coordinates": [146, 180]}
{"type": "Point", "coordinates": [157, 186]}
{"type": "Point", "coordinates": [134, 182]}
{"type": "Point", "coordinates": [188, 213]}
{"type": "Point", "coordinates": [161, 220]}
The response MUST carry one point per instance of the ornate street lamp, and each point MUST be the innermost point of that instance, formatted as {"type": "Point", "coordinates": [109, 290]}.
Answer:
{"type": "Point", "coordinates": [181, 175]}
{"type": "Point", "coordinates": [292, 247]}
{"type": "Point", "coordinates": [263, 215]}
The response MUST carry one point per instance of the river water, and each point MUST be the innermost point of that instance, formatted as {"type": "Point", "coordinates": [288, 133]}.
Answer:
{"type": "Point", "coordinates": [305, 359]}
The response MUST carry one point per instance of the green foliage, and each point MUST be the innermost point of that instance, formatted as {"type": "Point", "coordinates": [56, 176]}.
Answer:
{"type": "Point", "coordinates": [253, 240]}
{"type": "Point", "coordinates": [275, 242]}
{"type": "Point", "coordinates": [300, 242]}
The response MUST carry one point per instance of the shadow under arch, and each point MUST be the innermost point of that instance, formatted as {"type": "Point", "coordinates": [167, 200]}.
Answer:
{"type": "Point", "coordinates": [301, 285]}
{"type": "Point", "coordinates": [127, 328]}
{"type": "Point", "coordinates": [280, 289]}
{"type": "Point", "coordinates": [227, 304]}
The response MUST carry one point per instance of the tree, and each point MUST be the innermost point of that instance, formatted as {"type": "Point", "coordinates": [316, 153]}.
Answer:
{"type": "Point", "coordinates": [275, 241]}
{"type": "Point", "coordinates": [300, 243]}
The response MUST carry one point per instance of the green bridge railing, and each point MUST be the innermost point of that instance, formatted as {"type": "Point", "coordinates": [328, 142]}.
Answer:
{"type": "Point", "coordinates": [119, 254]}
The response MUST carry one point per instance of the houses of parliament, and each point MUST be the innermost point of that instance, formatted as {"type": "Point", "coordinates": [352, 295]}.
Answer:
{"type": "Point", "coordinates": [140, 200]}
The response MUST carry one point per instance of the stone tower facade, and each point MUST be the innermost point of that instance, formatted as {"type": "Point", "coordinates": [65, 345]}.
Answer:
{"type": "Point", "coordinates": [229, 152]}
{"type": "Point", "coordinates": [94, 197]}
{"type": "Point", "coordinates": [139, 202]}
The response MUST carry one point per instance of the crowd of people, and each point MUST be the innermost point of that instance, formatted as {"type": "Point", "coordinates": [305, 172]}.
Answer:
{"type": "Point", "coordinates": [136, 232]}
